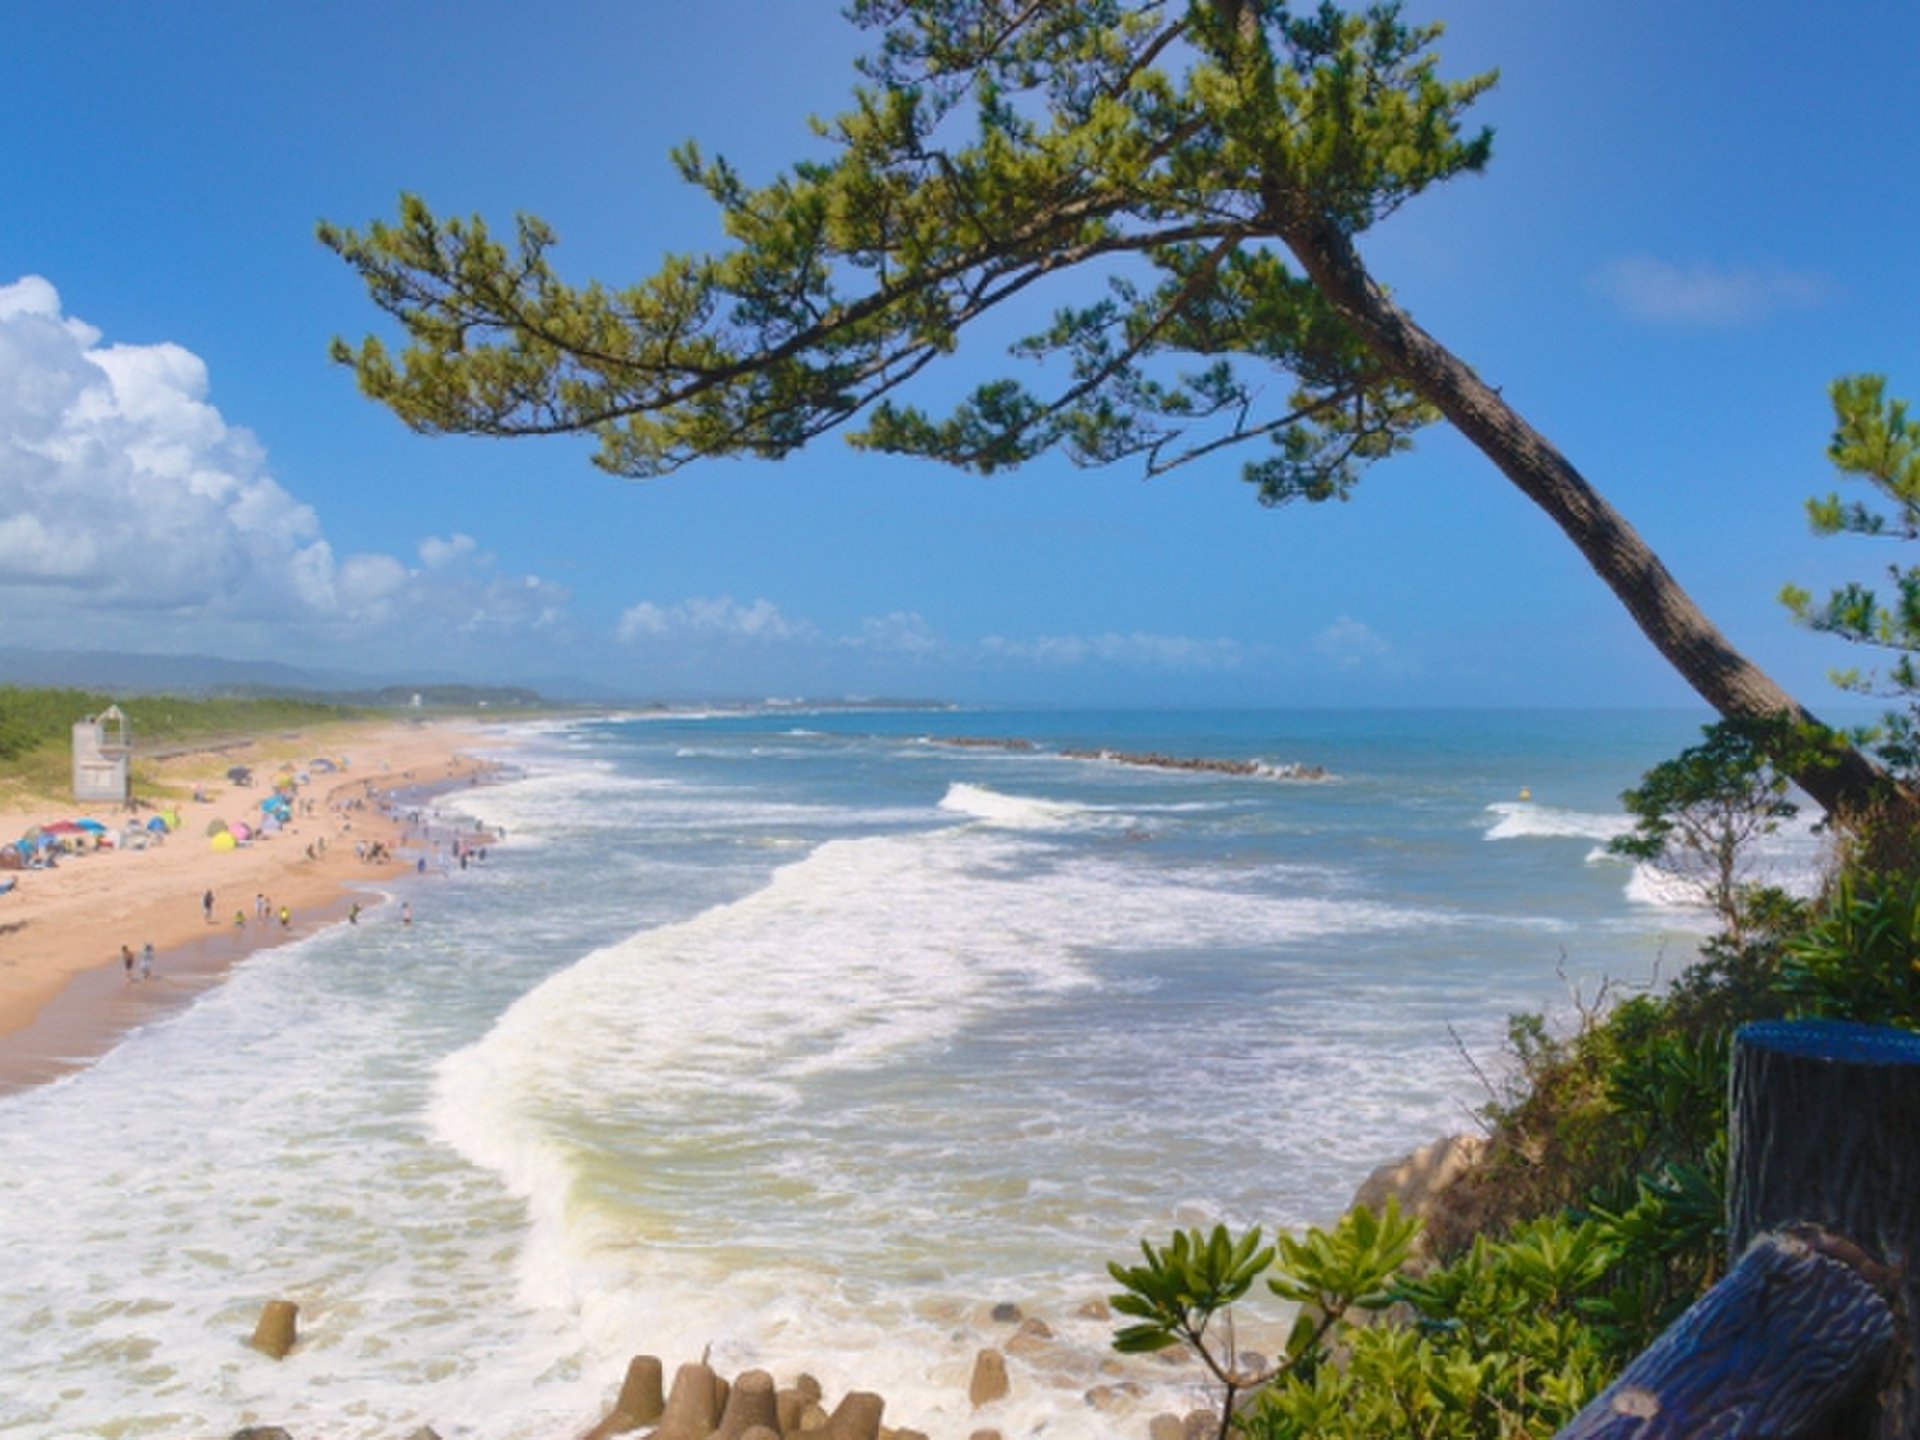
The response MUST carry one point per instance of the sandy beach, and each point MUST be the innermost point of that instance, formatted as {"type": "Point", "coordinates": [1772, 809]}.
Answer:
{"type": "Point", "coordinates": [65, 995]}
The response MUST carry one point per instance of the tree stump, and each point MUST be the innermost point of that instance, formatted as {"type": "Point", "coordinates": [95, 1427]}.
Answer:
{"type": "Point", "coordinates": [1824, 1129]}
{"type": "Point", "coordinates": [1787, 1346]}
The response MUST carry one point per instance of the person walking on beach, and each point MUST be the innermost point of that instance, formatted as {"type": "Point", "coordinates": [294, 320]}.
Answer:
{"type": "Point", "coordinates": [206, 906]}
{"type": "Point", "coordinates": [353, 913]}
{"type": "Point", "coordinates": [146, 961]}
{"type": "Point", "coordinates": [126, 960]}
{"type": "Point", "coordinates": [406, 912]}
{"type": "Point", "coordinates": [286, 917]}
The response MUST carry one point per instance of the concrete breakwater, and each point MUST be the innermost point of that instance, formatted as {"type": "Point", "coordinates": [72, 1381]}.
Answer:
{"type": "Point", "coordinates": [1152, 760]}
{"type": "Point", "coordinates": [702, 1404]}
{"type": "Point", "coordinates": [1149, 759]}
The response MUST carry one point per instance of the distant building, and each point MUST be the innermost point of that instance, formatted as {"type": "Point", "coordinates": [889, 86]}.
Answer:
{"type": "Point", "coordinates": [102, 750]}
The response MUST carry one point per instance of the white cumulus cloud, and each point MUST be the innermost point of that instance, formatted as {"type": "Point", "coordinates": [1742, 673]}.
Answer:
{"type": "Point", "coordinates": [125, 497]}
{"type": "Point", "coordinates": [1660, 291]}
{"type": "Point", "coordinates": [710, 619]}
{"type": "Point", "coordinates": [1137, 649]}
{"type": "Point", "coordinates": [903, 631]}
{"type": "Point", "coordinates": [1351, 644]}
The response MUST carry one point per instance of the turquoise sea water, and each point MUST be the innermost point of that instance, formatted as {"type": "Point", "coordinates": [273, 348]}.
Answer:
{"type": "Point", "coordinates": [806, 1037]}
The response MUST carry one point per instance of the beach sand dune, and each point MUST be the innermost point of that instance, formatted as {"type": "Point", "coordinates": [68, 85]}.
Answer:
{"type": "Point", "coordinates": [65, 997]}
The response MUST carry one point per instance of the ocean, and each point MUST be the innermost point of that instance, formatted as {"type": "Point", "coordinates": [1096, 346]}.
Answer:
{"type": "Point", "coordinates": [803, 1039]}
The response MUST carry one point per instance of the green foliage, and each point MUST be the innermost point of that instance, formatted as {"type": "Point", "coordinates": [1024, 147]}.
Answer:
{"type": "Point", "coordinates": [1184, 1284]}
{"type": "Point", "coordinates": [1874, 442]}
{"type": "Point", "coordinates": [1698, 815]}
{"type": "Point", "coordinates": [1860, 957]}
{"type": "Point", "coordinates": [1195, 1277]}
{"type": "Point", "coordinates": [1495, 1348]}
{"type": "Point", "coordinates": [1167, 154]}
{"type": "Point", "coordinates": [31, 718]}
{"type": "Point", "coordinates": [36, 719]}
{"type": "Point", "coordinates": [1350, 1267]}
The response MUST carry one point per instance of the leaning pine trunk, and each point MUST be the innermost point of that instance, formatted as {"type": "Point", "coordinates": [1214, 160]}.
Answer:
{"type": "Point", "coordinates": [1845, 782]}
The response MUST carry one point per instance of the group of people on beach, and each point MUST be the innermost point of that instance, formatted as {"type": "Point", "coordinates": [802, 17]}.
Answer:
{"type": "Point", "coordinates": [144, 960]}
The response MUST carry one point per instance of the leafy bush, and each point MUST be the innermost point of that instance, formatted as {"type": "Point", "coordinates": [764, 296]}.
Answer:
{"type": "Point", "coordinates": [1860, 957]}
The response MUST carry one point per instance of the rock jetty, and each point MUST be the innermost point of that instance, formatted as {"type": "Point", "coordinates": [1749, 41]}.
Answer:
{"type": "Point", "coordinates": [1153, 760]}
{"type": "Point", "coordinates": [1150, 759]}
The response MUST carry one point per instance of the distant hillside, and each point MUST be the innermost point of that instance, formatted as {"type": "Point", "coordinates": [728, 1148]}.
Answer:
{"type": "Point", "coordinates": [396, 697]}
{"type": "Point", "coordinates": [121, 673]}
{"type": "Point", "coordinates": [156, 674]}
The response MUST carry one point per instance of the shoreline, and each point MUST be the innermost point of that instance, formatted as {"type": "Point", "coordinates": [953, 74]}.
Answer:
{"type": "Point", "coordinates": [64, 999]}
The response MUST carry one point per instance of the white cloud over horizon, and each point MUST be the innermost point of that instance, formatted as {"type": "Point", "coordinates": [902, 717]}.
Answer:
{"type": "Point", "coordinates": [718, 618]}
{"type": "Point", "coordinates": [1137, 649]}
{"type": "Point", "coordinates": [131, 509]}
{"type": "Point", "coordinates": [1662, 292]}
{"type": "Point", "coordinates": [1353, 644]}
{"type": "Point", "coordinates": [908, 636]}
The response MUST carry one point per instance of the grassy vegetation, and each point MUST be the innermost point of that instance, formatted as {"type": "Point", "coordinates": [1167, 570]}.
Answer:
{"type": "Point", "coordinates": [36, 731]}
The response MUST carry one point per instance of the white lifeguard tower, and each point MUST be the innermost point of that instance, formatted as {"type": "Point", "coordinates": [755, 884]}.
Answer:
{"type": "Point", "coordinates": [102, 750]}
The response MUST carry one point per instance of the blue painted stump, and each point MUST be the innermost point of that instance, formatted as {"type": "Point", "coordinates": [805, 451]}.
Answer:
{"type": "Point", "coordinates": [1810, 1336]}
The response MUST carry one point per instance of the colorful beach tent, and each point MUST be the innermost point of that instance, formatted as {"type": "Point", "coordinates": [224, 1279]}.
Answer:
{"type": "Point", "coordinates": [240, 831]}
{"type": "Point", "coordinates": [224, 841]}
{"type": "Point", "coordinates": [216, 827]}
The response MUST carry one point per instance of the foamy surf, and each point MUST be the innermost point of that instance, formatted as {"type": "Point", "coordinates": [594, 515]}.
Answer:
{"type": "Point", "coordinates": [774, 1044]}
{"type": "Point", "coordinates": [1524, 820]}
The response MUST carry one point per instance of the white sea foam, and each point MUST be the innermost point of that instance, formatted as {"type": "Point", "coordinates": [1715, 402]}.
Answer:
{"type": "Point", "coordinates": [1524, 820]}
{"type": "Point", "coordinates": [1017, 812]}
{"type": "Point", "coordinates": [810, 1072]}
{"type": "Point", "coordinates": [1793, 858]}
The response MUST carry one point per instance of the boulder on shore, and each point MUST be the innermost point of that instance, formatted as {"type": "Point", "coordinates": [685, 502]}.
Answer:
{"type": "Point", "coordinates": [1429, 1184]}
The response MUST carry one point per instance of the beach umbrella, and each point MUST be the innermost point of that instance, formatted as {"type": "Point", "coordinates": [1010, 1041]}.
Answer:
{"type": "Point", "coordinates": [223, 841]}
{"type": "Point", "coordinates": [94, 825]}
{"type": "Point", "coordinates": [216, 827]}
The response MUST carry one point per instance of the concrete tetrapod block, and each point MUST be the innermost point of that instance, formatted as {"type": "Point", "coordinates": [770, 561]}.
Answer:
{"type": "Point", "coordinates": [640, 1400]}
{"type": "Point", "coordinates": [276, 1333]}
{"type": "Point", "coordinates": [856, 1417]}
{"type": "Point", "coordinates": [990, 1380]}
{"type": "Point", "coordinates": [750, 1406]}
{"type": "Point", "coordinates": [691, 1411]}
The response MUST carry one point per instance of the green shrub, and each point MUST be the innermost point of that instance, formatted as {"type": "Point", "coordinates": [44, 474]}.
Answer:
{"type": "Point", "coordinates": [1860, 957]}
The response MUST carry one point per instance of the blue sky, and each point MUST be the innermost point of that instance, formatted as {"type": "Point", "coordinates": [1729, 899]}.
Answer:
{"type": "Point", "coordinates": [1696, 216]}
